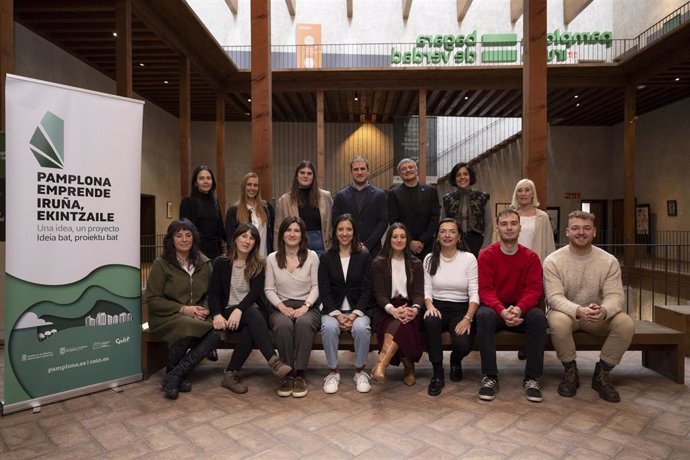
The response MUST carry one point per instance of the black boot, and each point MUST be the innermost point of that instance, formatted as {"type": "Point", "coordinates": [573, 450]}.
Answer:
{"type": "Point", "coordinates": [176, 352]}
{"type": "Point", "coordinates": [601, 381]}
{"type": "Point", "coordinates": [571, 380]}
{"type": "Point", "coordinates": [171, 384]}
{"type": "Point", "coordinates": [185, 385]}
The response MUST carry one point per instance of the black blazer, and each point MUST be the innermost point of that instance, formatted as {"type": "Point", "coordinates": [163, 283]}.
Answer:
{"type": "Point", "coordinates": [420, 217]}
{"type": "Point", "coordinates": [371, 222]}
{"type": "Point", "coordinates": [231, 224]}
{"type": "Point", "coordinates": [334, 287]}
{"type": "Point", "coordinates": [219, 289]}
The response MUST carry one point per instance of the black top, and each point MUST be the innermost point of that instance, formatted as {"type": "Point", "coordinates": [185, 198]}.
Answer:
{"type": "Point", "coordinates": [231, 224]}
{"type": "Point", "coordinates": [309, 214]}
{"type": "Point", "coordinates": [219, 289]}
{"type": "Point", "coordinates": [334, 286]}
{"type": "Point", "coordinates": [418, 208]}
{"type": "Point", "coordinates": [204, 212]}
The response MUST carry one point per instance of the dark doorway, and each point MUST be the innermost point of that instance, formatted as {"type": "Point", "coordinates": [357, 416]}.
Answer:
{"type": "Point", "coordinates": [148, 228]}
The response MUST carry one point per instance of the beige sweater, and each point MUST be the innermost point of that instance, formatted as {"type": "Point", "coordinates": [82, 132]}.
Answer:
{"type": "Point", "coordinates": [571, 281]}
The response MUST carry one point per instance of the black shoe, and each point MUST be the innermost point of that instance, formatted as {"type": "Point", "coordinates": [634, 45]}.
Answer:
{"type": "Point", "coordinates": [435, 386]}
{"type": "Point", "coordinates": [212, 355]}
{"type": "Point", "coordinates": [533, 391]}
{"type": "Point", "coordinates": [602, 384]}
{"type": "Point", "coordinates": [570, 382]}
{"type": "Point", "coordinates": [455, 372]}
{"type": "Point", "coordinates": [185, 386]}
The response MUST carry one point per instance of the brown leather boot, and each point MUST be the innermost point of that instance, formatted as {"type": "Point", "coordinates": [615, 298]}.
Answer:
{"type": "Point", "coordinates": [408, 376]}
{"type": "Point", "coordinates": [388, 350]}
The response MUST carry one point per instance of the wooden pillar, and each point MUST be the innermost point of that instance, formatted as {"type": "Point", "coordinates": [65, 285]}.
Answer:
{"type": "Point", "coordinates": [220, 150]}
{"type": "Point", "coordinates": [629, 161]}
{"type": "Point", "coordinates": [320, 139]}
{"type": "Point", "coordinates": [123, 44]}
{"type": "Point", "coordinates": [534, 154]}
{"type": "Point", "coordinates": [422, 135]}
{"type": "Point", "coordinates": [261, 95]}
{"type": "Point", "coordinates": [185, 127]}
{"type": "Point", "coordinates": [6, 51]}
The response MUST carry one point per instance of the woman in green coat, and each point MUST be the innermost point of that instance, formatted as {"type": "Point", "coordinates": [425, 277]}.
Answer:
{"type": "Point", "coordinates": [176, 298]}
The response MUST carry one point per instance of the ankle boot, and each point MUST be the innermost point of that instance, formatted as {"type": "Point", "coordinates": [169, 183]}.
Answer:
{"type": "Point", "coordinates": [388, 350]}
{"type": "Point", "coordinates": [408, 375]}
{"type": "Point", "coordinates": [571, 380]}
{"type": "Point", "coordinates": [185, 385]}
{"type": "Point", "coordinates": [601, 381]}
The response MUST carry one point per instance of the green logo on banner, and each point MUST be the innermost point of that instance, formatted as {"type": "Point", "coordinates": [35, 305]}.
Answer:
{"type": "Point", "coordinates": [48, 142]}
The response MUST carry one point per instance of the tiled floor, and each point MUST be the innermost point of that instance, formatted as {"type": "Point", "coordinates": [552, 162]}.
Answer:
{"type": "Point", "coordinates": [393, 421]}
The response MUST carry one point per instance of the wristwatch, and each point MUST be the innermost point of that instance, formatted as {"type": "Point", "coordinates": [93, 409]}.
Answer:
{"type": "Point", "coordinates": [468, 318]}
{"type": "Point", "coordinates": [308, 305]}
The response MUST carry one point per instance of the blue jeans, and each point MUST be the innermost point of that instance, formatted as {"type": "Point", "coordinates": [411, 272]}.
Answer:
{"type": "Point", "coordinates": [330, 334]}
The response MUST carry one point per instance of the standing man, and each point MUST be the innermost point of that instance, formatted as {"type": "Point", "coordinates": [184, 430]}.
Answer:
{"type": "Point", "coordinates": [366, 203]}
{"type": "Point", "coordinates": [510, 285]}
{"type": "Point", "coordinates": [415, 205]}
{"type": "Point", "coordinates": [584, 291]}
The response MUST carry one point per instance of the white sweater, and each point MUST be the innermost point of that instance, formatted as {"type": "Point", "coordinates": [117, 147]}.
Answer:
{"type": "Point", "coordinates": [455, 281]}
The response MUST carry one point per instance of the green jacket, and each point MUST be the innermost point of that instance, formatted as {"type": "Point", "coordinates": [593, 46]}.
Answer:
{"type": "Point", "coordinates": [168, 288]}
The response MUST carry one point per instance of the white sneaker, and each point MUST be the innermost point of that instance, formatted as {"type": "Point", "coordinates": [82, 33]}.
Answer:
{"type": "Point", "coordinates": [362, 381]}
{"type": "Point", "coordinates": [331, 383]}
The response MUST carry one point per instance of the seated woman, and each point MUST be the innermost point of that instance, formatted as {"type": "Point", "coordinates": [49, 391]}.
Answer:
{"type": "Point", "coordinates": [345, 289]}
{"type": "Point", "coordinates": [236, 285]}
{"type": "Point", "coordinates": [175, 295]}
{"type": "Point", "coordinates": [292, 288]}
{"type": "Point", "coordinates": [451, 297]}
{"type": "Point", "coordinates": [398, 284]}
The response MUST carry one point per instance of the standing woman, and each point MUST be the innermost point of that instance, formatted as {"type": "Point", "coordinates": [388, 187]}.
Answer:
{"type": "Point", "coordinates": [236, 286]}
{"type": "Point", "coordinates": [398, 283]}
{"type": "Point", "coordinates": [175, 296]}
{"type": "Point", "coordinates": [469, 207]}
{"type": "Point", "coordinates": [345, 289]}
{"type": "Point", "coordinates": [535, 227]}
{"type": "Point", "coordinates": [306, 200]}
{"type": "Point", "coordinates": [292, 288]}
{"type": "Point", "coordinates": [252, 209]}
{"type": "Point", "coordinates": [451, 297]}
{"type": "Point", "coordinates": [202, 208]}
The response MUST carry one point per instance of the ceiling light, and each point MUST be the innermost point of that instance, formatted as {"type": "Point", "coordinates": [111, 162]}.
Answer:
{"type": "Point", "coordinates": [356, 96]}
{"type": "Point", "coordinates": [677, 78]}
{"type": "Point", "coordinates": [467, 97]}
{"type": "Point", "coordinates": [249, 99]}
{"type": "Point", "coordinates": [576, 96]}
{"type": "Point", "coordinates": [247, 113]}
{"type": "Point", "coordinates": [165, 82]}
{"type": "Point", "coordinates": [641, 86]}
{"type": "Point", "coordinates": [577, 105]}
{"type": "Point", "coordinates": [141, 64]}
{"type": "Point", "coordinates": [114, 34]}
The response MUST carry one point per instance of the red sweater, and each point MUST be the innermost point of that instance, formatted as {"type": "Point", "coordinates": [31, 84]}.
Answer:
{"type": "Point", "coordinates": [509, 280]}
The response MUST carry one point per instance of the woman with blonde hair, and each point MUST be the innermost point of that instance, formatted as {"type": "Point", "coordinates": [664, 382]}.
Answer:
{"type": "Point", "coordinates": [535, 232]}
{"type": "Point", "coordinates": [250, 208]}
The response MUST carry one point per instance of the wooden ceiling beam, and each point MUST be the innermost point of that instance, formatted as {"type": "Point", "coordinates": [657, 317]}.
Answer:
{"type": "Point", "coordinates": [349, 8]}
{"type": "Point", "coordinates": [462, 7]}
{"type": "Point", "coordinates": [291, 6]}
{"type": "Point", "coordinates": [406, 6]}
{"type": "Point", "coordinates": [232, 4]}
{"type": "Point", "coordinates": [571, 8]}
{"type": "Point", "coordinates": [516, 7]}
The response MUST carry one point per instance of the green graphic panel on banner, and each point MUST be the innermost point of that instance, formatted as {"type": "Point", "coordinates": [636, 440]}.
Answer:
{"type": "Point", "coordinates": [87, 333]}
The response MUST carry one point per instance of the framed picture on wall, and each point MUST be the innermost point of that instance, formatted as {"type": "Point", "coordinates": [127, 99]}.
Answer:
{"type": "Point", "coordinates": [642, 219]}
{"type": "Point", "coordinates": [672, 208]}
{"type": "Point", "coordinates": [554, 214]}
{"type": "Point", "coordinates": [500, 207]}
{"type": "Point", "coordinates": [168, 210]}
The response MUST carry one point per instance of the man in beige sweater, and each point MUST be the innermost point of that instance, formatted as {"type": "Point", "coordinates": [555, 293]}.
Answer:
{"type": "Point", "coordinates": [584, 291]}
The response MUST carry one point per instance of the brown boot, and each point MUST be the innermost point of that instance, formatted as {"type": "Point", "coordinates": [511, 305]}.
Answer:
{"type": "Point", "coordinates": [388, 350]}
{"type": "Point", "coordinates": [408, 376]}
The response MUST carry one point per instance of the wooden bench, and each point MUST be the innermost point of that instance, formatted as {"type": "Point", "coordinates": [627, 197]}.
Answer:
{"type": "Point", "coordinates": [662, 347]}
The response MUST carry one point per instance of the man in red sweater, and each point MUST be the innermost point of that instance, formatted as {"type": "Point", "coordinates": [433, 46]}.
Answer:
{"type": "Point", "coordinates": [510, 286]}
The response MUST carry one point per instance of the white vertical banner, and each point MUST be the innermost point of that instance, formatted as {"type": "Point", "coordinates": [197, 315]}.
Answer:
{"type": "Point", "coordinates": [72, 297]}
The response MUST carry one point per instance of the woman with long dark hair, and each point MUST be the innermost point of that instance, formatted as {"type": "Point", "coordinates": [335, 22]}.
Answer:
{"type": "Point", "coordinates": [398, 283]}
{"type": "Point", "coordinates": [292, 288]}
{"type": "Point", "coordinates": [202, 208]}
{"type": "Point", "coordinates": [313, 204]}
{"type": "Point", "coordinates": [236, 286]}
{"type": "Point", "coordinates": [176, 298]}
{"type": "Point", "coordinates": [345, 290]}
{"type": "Point", "coordinates": [250, 208]}
{"type": "Point", "coordinates": [451, 298]}
{"type": "Point", "coordinates": [469, 207]}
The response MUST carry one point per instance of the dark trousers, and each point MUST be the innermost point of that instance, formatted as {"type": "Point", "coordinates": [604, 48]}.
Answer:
{"type": "Point", "coordinates": [253, 332]}
{"type": "Point", "coordinates": [451, 314]}
{"type": "Point", "coordinates": [473, 242]}
{"type": "Point", "coordinates": [534, 325]}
